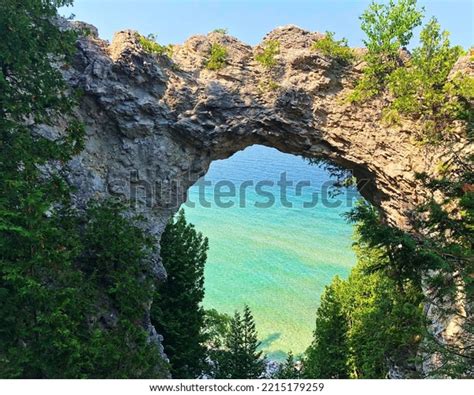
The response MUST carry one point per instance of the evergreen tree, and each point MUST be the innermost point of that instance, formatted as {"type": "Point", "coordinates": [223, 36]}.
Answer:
{"type": "Point", "coordinates": [216, 330]}
{"type": "Point", "coordinates": [385, 315]}
{"type": "Point", "coordinates": [58, 269]}
{"type": "Point", "coordinates": [289, 369]}
{"type": "Point", "coordinates": [176, 311]}
{"type": "Point", "coordinates": [116, 267]}
{"type": "Point", "coordinates": [38, 242]}
{"type": "Point", "coordinates": [242, 360]}
{"type": "Point", "coordinates": [327, 357]}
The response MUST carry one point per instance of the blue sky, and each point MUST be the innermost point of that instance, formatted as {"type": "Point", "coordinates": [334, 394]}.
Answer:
{"type": "Point", "coordinates": [249, 20]}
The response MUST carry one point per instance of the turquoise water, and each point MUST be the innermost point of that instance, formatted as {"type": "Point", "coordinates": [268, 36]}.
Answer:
{"type": "Point", "coordinates": [275, 259]}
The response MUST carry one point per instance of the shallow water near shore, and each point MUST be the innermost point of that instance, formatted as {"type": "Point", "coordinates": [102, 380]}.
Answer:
{"type": "Point", "coordinates": [275, 259]}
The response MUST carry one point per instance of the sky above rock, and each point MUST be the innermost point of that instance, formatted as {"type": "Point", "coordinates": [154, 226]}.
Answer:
{"type": "Point", "coordinates": [173, 21]}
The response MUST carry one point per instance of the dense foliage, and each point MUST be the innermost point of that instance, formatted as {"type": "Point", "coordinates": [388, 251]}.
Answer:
{"type": "Point", "coordinates": [328, 355]}
{"type": "Point", "coordinates": [376, 320]}
{"type": "Point", "coordinates": [57, 265]}
{"type": "Point", "coordinates": [420, 83]}
{"type": "Point", "coordinates": [115, 263]}
{"type": "Point", "coordinates": [36, 249]}
{"type": "Point", "coordinates": [83, 282]}
{"type": "Point", "coordinates": [176, 312]}
{"type": "Point", "coordinates": [388, 28]}
{"type": "Point", "coordinates": [423, 90]}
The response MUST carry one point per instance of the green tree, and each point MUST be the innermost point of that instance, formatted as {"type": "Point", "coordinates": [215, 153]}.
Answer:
{"type": "Point", "coordinates": [38, 242]}
{"type": "Point", "coordinates": [217, 57]}
{"type": "Point", "coordinates": [267, 56]}
{"type": "Point", "coordinates": [241, 358]}
{"type": "Point", "coordinates": [328, 355]}
{"type": "Point", "coordinates": [422, 88]}
{"type": "Point", "coordinates": [216, 330]}
{"type": "Point", "coordinates": [451, 239]}
{"type": "Point", "coordinates": [386, 320]}
{"type": "Point", "coordinates": [397, 264]}
{"type": "Point", "coordinates": [388, 28]}
{"type": "Point", "coordinates": [176, 311]}
{"type": "Point", "coordinates": [289, 369]}
{"type": "Point", "coordinates": [61, 269]}
{"type": "Point", "coordinates": [116, 266]}
{"type": "Point", "coordinates": [367, 324]}
{"type": "Point", "coordinates": [150, 44]}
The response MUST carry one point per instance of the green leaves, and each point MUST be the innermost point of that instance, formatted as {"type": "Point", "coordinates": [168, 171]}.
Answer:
{"type": "Point", "coordinates": [365, 324]}
{"type": "Point", "coordinates": [328, 355]}
{"type": "Point", "coordinates": [217, 58]}
{"type": "Point", "coordinates": [420, 84]}
{"type": "Point", "coordinates": [150, 45]}
{"type": "Point", "coordinates": [440, 256]}
{"type": "Point", "coordinates": [388, 28]}
{"type": "Point", "coordinates": [58, 266]}
{"type": "Point", "coordinates": [331, 47]}
{"type": "Point", "coordinates": [267, 56]}
{"type": "Point", "coordinates": [422, 89]}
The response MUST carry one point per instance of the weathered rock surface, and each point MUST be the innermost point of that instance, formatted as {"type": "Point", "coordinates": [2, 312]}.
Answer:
{"type": "Point", "coordinates": [154, 124]}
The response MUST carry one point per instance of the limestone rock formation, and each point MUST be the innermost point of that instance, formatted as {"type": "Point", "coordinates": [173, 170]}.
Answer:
{"type": "Point", "coordinates": [155, 124]}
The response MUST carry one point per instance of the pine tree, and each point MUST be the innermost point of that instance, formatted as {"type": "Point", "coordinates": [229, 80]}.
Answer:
{"type": "Point", "coordinates": [288, 370]}
{"type": "Point", "coordinates": [242, 360]}
{"type": "Point", "coordinates": [328, 354]}
{"type": "Point", "coordinates": [116, 268]}
{"type": "Point", "coordinates": [38, 241]}
{"type": "Point", "coordinates": [176, 311]}
{"type": "Point", "coordinates": [55, 262]}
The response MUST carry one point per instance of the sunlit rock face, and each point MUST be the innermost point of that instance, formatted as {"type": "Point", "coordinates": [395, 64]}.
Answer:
{"type": "Point", "coordinates": [154, 124]}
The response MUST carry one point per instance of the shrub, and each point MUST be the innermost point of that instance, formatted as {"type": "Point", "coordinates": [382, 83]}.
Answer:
{"type": "Point", "coordinates": [150, 45]}
{"type": "Point", "coordinates": [337, 49]}
{"type": "Point", "coordinates": [221, 31]}
{"type": "Point", "coordinates": [217, 58]}
{"type": "Point", "coordinates": [266, 57]}
{"type": "Point", "coordinates": [390, 117]}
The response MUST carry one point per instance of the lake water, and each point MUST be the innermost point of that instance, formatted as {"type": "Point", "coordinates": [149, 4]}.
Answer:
{"type": "Point", "coordinates": [276, 259]}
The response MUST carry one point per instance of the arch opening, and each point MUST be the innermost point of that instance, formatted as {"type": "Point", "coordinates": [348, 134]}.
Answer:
{"type": "Point", "coordinates": [277, 238]}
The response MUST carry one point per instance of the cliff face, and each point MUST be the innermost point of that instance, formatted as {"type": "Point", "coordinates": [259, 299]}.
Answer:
{"type": "Point", "coordinates": [154, 124]}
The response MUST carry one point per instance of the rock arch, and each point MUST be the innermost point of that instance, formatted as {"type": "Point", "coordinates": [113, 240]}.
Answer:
{"type": "Point", "coordinates": [153, 120]}
{"type": "Point", "coordinates": [154, 124]}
